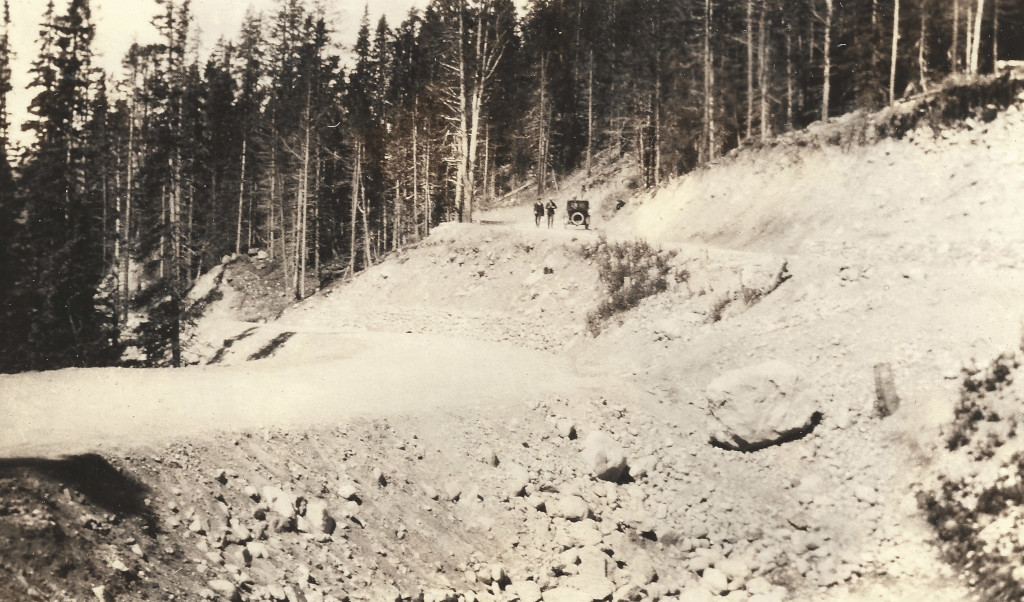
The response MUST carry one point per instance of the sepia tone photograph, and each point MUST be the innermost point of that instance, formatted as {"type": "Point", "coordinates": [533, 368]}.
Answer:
{"type": "Point", "coordinates": [511, 300]}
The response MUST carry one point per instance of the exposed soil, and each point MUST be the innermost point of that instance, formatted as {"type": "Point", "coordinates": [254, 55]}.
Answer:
{"type": "Point", "coordinates": [443, 427]}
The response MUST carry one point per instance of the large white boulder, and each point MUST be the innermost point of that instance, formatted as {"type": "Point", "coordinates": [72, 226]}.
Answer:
{"type": "Point", "coordinates": [760, 405]}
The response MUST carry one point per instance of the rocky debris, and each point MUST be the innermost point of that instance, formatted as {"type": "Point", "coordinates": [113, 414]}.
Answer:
{"type": "Point", "coordinates": [225, 589]}
{"type": "Point", "coordinates": [316, 519]}
{"type": "Point", "coordinates": [760, 405]}
{"type": "Point", "coordinates": [604, 457]}
{"type": "Point", "coordinates": [569, 507]}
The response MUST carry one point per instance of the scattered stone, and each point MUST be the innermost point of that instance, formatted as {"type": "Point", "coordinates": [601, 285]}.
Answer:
{"type": "Point", "coordinates": [566, 429]}
{"type": "Point", "coordinates": [316, 520]}
{"type": "Point", "coordinates": [866, 494]}
{"type": "Point", "coordinates": [223, 588]}
{"type": "Point", "coordinates": [238, 555]}
{"type": "Point", "coordinates": [220, 475]}
{"type": "Point", "coordinates": [566, 594]}
{"type": "Point", "coordinates": [604, 457]}
{"type": "Point", "coordinates": [119, 566]}
{"type": "Point", "coordinates": [517, 479]}
{"type": "Point", "coordinates": [101, 593]}
{"type": "Point", "coordinates": [643, 466]}
{"type": "Point", "coordinates": [526, 591]}
{"type": "Point", "coordinates": [348, 491]}
{"type": "Point", "coordinates": [597, 588]}
{"type": "Point", "coordinates": [277, 592]}
{"type": "Point", "coordinates": [585, 533]}
{"type": "Point", "coordinates": [489, 457]}
{"type": "Point", "coordinates": [715, 581]}
{"type": "Point", "coordinates": [759, 585]}
{"type": "Point", "coordinates": [452, 491]}
{"type": "Point", "coordinates": [258, 549]}
{"type": "Point", "coordinates": [569, 507]}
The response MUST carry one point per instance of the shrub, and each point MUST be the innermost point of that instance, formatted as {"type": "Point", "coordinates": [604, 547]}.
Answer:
{"type": "Point", "coordinates": [631, 272]}
{"type": "Point", "coordinates": [976, 512]}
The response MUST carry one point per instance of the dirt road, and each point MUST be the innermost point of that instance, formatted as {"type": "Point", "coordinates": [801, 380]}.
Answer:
{"type": "Point", "coordinates": [325, 378]}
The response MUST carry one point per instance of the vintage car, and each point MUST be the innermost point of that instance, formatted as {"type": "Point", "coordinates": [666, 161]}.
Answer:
{"type": "Point", "coordinates": [577, 213]}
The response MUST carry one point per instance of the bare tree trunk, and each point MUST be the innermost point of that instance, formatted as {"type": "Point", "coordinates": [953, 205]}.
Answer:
{"type": "Point", "coordinates": [396, 239]}
{"type": "Point", "coordinates": [272, 214]}
{"type": "Point", "coordinates": [163, 232]}
{"type": "Point", "coordinates": [462, 136]}
{"type": "Point", "coordinates": [590, 113]}
{"type": "Point", "coordinates": [762, 68]}
{"type": "Point", "coordinates": [954, 54]}
{"type": "Point", "coordinates": [709, 150]}
{"type": "Point", "coordinates": [304, 205]}
{"type": "Point", "coordinates": [826, 90]}
{"type": "Point", "coordinates": [789, 80]}
{"type": "Point", "coordinates": [367, 248]}
{"type": "Point", "coordinates": [922, 65]}
{"type": "Point", "coordinates": [895, 52]}
{"type": "Point", "coordinates": [487, 158]}
{"type": "Point", "coordinates": [995, 34]}
{"type": "Point", "coordinates": [657, 128]}
{"type": "Point", "coordinates": [750, 68]}
{"type": "Point", "coordinates": [542, 159]}
{"type": "Point", "coordinates": [427, 209]}
{"type": "Point", "coordinates": [241, 201]}
{"type": "Point", "coordinates": [415, 168]}
{"type": "Point", "coordinates": [976, 38]}
{"type": "Point", "coordinates": [318, 174]}
{"type": "Point", "coordinates": [968, 35]}
{"type": "Point", "coordinates": [356, 182]}
{"type": "Point", "coordinates": [126, 227]}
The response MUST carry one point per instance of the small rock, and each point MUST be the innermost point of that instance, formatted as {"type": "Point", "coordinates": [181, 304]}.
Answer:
{"type": "Point", "coordinates": [526, 591]}
{"type": "Point", "coordinates": [569, 507]}
{"type": "Point", "coordinates": [119, 566]}
{"type": "Point", "coordinates": [224, 589]}
{"type": "Point", "coordinates": [316, 519]}
{"type": "Point", "coordinates": [517, 478]}
{"type": "Point", "coordinates": [715, 581]}
{"type": "Point", "coordinates": [759, 585]}
{"type": "Point", "coordinates": [258, 549]}
{"type": "Point", "coordinates": [734, 568]}
{"type": "Point", "coordinates": [866, 494]}
{"type": "Point", "coordinates": [348, 491]}
{"type": "Point", "coordinates": [604, 457]}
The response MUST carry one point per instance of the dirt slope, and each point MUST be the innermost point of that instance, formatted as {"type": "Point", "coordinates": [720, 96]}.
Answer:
{"type": "Point", "coordinates": [441, 427]}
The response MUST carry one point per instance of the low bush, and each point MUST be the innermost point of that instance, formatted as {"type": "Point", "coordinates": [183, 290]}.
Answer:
{"type": "Point", "coordinates": [978, 511]}
{"type": "Point", "coordinates": [631, 272]}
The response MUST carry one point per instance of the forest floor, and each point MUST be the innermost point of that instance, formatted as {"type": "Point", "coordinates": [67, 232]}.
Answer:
{"type": "Point", "coordinates": [437, 427]}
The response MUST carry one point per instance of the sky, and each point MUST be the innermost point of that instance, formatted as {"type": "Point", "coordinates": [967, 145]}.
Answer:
{"type": "Point", "coordinates": [119, 23]}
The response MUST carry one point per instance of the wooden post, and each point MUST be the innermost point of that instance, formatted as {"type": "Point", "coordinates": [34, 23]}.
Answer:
{"type": "Point", "coordinates": [886, 399]}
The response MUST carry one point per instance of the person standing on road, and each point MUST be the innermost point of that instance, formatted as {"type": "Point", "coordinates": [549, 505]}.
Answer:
{"type": "Point", "coordinates": [551, 206]}
{"type": "Point", "coordinates": [538, 212]}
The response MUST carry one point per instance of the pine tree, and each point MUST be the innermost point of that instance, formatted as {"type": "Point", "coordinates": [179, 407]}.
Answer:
{"type": "Point", "coordinates": [68, 324]}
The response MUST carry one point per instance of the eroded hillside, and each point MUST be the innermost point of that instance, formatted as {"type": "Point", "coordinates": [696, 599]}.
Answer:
{"type": "Point", "coordinates": [464, 421]}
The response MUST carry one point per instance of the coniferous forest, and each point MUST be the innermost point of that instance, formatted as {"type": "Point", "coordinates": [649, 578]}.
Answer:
{"type": "Point", "coordinates": [326, 154]}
